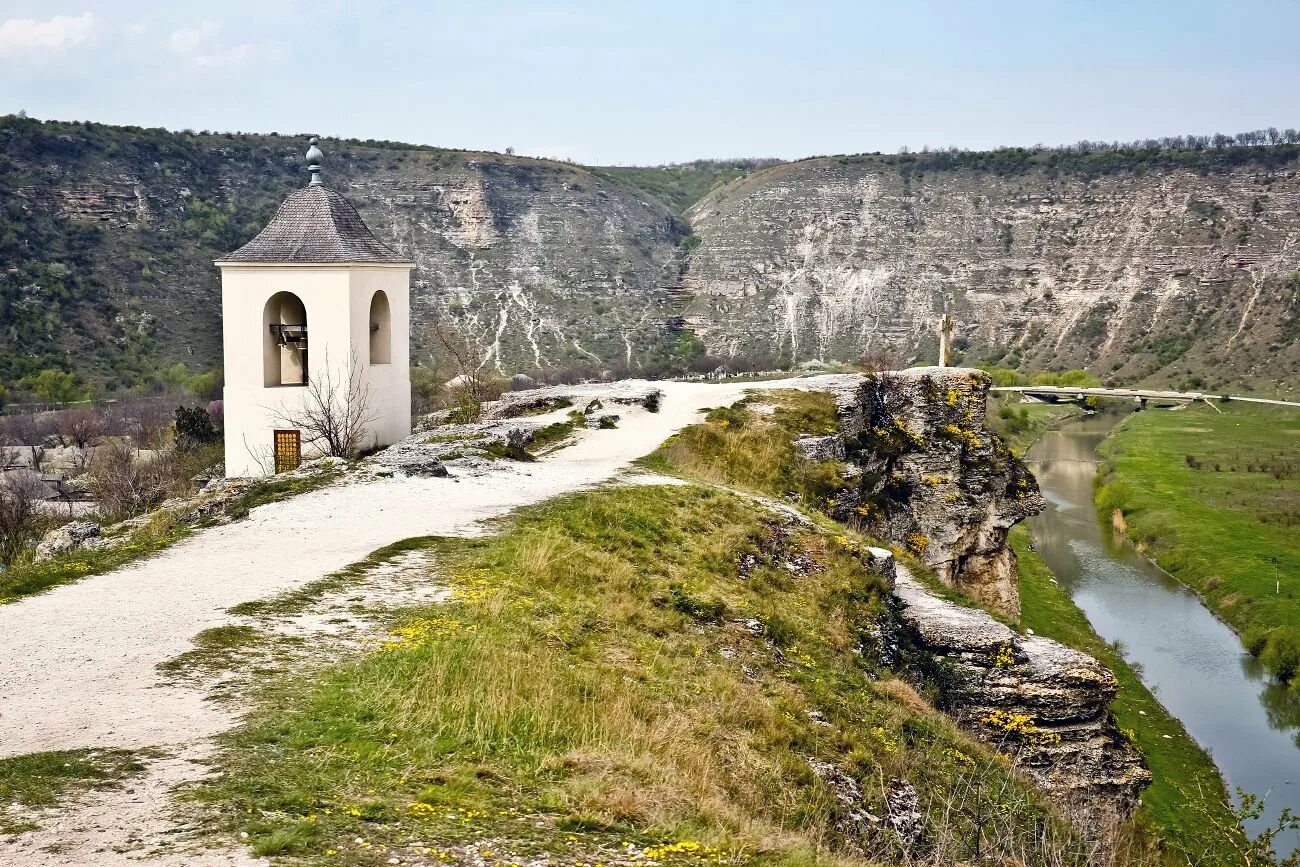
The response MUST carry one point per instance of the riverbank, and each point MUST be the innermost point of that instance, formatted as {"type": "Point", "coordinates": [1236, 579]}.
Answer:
{"type": "Point", "coordinates": [1187, 802]}
{"type": "Point", "coordinates": [1214, 499]}
{"type": "Point", "coordinates": [1187, 794]}
{"type": "Point", "coordinates": [1022, 424]}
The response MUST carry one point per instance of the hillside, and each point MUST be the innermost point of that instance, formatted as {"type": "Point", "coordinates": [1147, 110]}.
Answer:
{"type": "Point", "coordinates": [681, 185]}
{"type": "Point", "coordinates": [107, 237]}
{"type": "Point", "coordinates": [1173, 266]}
{"type": "Point", "coordinates": [1143, 264]}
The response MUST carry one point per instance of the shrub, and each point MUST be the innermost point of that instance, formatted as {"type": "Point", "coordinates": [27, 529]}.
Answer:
{"type": "Point", "coordinates": [1004, 376]}
{"type": "Point", "coordinates": [1114, 496]}
{"type": "Point", "coordinates": [54, 386]}
{"type": "Point", "coordinates": [1078, 378]}
{"type": "Point", "coordinates": [194, 428]}
{"type": "Point", "coordinates": [20, 518]}
{"type": "Point", "coordinates": [1255, 639]}
{"type": "Point", "coordinates": [1281, 653]}
{"type": "Point", "coordinates": [126, 486]}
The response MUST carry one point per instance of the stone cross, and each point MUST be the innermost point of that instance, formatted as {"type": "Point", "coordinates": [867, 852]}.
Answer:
{"type": "Point", "coordinates": [945, 335]}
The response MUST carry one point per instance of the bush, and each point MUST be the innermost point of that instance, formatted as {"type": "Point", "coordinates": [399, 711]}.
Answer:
{"type": "Point", "coordinates": [1114, 496]}
{"type": "Point", "coordinates": [1281, 653]}
{"type": "Point", "coordinates": [21, 522]}
{"type": "Point", "coordinates": [194, 428]}
{"type": "Point", "coordinates": [1078, 378]}
{"type": "Point", "coordinates": [1004, 376]}
{"type": "Point", "coordinates": [1255, 639]}
{"type": "Point", "coordinates": [126, 485]}
{"type": "Point", "coordinates": [54, 386]}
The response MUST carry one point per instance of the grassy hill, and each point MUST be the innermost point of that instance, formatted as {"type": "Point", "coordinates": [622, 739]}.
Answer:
{"type": "Point", "coordinates": [681, 185]}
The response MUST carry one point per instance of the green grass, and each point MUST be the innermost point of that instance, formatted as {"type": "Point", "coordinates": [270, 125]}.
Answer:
{"type": "Point", "coordinates": [276, 488]}
{"type": "Point", "coordinates": [739, 448]}
{"type": "Point", "coordinates": [1186, 802]}
{"type": "Point", "coordinates": [680, 186]}
{"type": "Point", "coordinates": [1021, 424]}
{"type": "Point", "coordinates": [294, 601]}
{"type": "Point", "coordinates": [1212, 497]}
{"type": "Point", "coordinates": [214, 649]}
{"type": "Point", "coordinates": [27, 579]}
{"type": "Point", "coordinates": [38, 780]}
{"type": "Point", "coordinates": [592, 683]}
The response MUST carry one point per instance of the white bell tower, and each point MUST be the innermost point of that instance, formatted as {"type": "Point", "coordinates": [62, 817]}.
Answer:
{"type": "Point", "coordinates": [315, 315]}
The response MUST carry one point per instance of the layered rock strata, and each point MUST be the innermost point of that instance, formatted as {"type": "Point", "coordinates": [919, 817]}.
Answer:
{"type": "Point", "coordinates": [1042, 703]}
{"type": "Point", "coordinates": [1134, 273]}
{"type": "Point", "coordinates": [927, 475]}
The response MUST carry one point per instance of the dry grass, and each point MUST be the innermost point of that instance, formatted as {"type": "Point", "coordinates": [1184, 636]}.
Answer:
{"type": "Point", "coordinates": [594, 677]}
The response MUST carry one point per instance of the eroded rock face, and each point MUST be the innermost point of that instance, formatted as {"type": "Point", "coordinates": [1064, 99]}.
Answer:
{"type": "Point", "coordinates": [928, 476]}
{"type": "Point", "coordinates": [1125, 272]}
{"type": "Point", "coordinates": [1042, 703]}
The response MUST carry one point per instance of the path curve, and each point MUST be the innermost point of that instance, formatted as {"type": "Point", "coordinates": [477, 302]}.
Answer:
{"type": "Point", "coordinates": [78, 663]}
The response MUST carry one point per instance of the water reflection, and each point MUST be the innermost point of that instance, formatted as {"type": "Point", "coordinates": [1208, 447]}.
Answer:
{"type": "Point", "coordinates": [1193, 662]}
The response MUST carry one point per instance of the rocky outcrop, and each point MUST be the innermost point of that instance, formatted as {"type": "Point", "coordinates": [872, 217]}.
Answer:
{"type": "Point", "coordinates": [1136, 274]}
{"type": "Point", "coordinates": [72, 536]}
{"type": "Point", "coordinates": [1042, 703]}
{"type": "Point", "coordinates": [927, 475]}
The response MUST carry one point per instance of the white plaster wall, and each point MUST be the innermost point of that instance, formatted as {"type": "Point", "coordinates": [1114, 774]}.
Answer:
{"type": "Point", "coordinates": [337, 301]}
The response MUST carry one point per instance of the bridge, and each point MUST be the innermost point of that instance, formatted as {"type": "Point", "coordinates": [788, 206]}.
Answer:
{"type": "Point", "coordinates": [1074, 394]}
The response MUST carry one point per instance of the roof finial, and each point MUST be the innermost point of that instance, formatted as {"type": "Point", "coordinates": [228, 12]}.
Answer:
{"type": "Point", "coordinates": [314, 156]}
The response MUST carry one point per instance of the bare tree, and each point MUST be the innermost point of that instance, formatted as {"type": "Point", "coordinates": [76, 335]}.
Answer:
{"type": "Point", "coordinates": [125, 485]}
{"type": "Point", "coordinates": [877, 360]}
{"type": "Point", "coordinates": [20, 517]}
{"type": "Point", "coordinates": [335, 412]}
{"type": "Point", "coordinates": [78, 427]}
{"type": "Point", "coordinates": [468, 387]}
{"type": "Point", "coordinates": [27, 432]}
{"type": "Point", "coordinates": [153, 421]}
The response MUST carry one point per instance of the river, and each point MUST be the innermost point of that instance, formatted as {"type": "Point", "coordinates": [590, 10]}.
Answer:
{"type": "Point", "coordinates": [1192, 662]}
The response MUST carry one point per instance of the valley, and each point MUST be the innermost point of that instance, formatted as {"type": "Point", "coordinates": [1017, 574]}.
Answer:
{"type": "Point", "coordinates": [1171, 267]}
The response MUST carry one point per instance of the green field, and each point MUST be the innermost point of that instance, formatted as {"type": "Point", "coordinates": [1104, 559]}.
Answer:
{"type": "Point", "coordinates": [1214, 498]}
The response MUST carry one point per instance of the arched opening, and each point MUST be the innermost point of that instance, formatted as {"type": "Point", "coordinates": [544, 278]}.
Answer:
{"type": "Point", "coordinates": [381, 329]}
{"type": "Point", "coordinates": [284, 340]}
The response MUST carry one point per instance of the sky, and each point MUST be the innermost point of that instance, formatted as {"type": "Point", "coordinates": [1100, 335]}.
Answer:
{"type": "Point", "coordinates": [623, 82]}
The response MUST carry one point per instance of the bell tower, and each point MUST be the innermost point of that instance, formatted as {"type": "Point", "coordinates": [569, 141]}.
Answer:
{"type": "Point", "coordinates": [315, 316]}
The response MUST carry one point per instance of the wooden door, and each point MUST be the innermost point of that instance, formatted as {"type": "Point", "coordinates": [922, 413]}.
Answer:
{"type": "Point", "coordinates": [288, 450]}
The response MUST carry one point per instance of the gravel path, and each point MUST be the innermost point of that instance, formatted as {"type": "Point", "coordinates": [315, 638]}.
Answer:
{"type": "Point", "coordinates": [77, 664]}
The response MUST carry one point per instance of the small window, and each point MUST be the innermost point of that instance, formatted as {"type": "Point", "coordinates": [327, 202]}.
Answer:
{"type": "Point", "coordinates": [284, 341]}
{"type": "Point", "coordinates": [381, 330]}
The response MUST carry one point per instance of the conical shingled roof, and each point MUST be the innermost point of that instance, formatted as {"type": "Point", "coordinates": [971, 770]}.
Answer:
{"type": "Point", "coordinates": [316, 225]}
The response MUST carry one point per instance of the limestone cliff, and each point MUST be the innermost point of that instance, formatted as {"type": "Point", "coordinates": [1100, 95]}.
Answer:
{"type": "Point", "coordinates": [926, 474]}
{"type": "Point", "coordinates": [1150, 269]}
{"type": "Point", "coordinates": [107, 236]}
{"type": "Point", "coordinates": [1137, 274]}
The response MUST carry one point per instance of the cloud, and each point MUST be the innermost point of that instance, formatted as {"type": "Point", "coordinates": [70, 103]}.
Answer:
{"type": "Point", "coordinates": [188, 39]}
{"type": "Point", "coordinates": [29, 36]}
{"type": "Point", "coordinates": [232, 56]}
